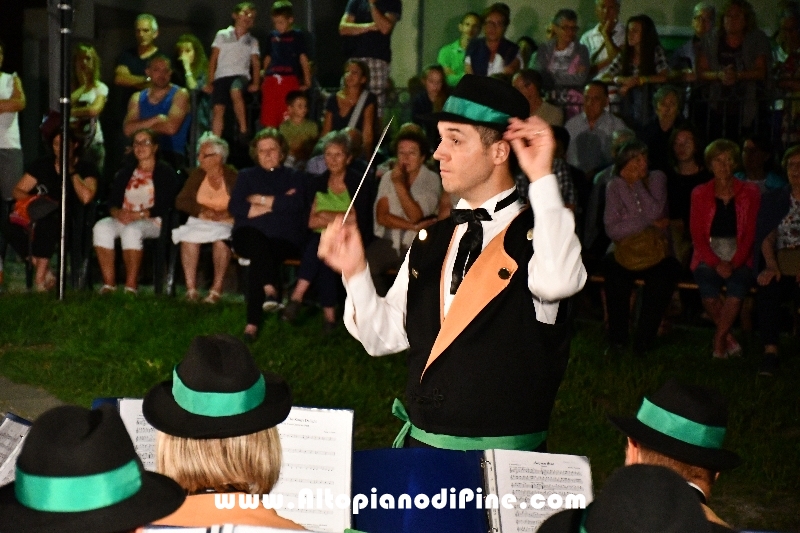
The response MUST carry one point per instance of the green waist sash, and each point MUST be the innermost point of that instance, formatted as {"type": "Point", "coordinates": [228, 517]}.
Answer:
{"type": "Point", "coordinates": [526, 442]}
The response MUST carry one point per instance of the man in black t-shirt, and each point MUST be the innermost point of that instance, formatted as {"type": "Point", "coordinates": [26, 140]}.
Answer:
{"type": "Point", "coordinates": [369, 25]}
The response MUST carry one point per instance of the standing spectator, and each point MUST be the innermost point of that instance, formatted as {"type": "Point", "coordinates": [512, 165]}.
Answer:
{"type": "Point", "coordinates": [192, 73]}
{"type": "Point", "coordinates": [430, 99]}
{"type": "Point", "coordinates": [353, 106]}
{"type": "Point", "coordinates": [777, 258]}
{"type": "Point", "coordinates": [139, 200]}
{"type": "Point", "coordinates": [407, 201]}
{"type": "Point", "coordinates": [369, 23]}
{"type": "Point", "coordinates": [641, 61]}
{"type": "Point", "coordinates": [233, 67]}
{"type": "Point", "coordinates": [564, 62]}
{"type": "Point", "coordinates": [735, 60]}
{"type": "Point", "coordinates": [529, 83]}
{"type": "Point", "coordinates": [636, 220]}
{"type": "Point", "coordinates": [667, 103]}
{"type": "Point", "coordinates": [88, 100]}
{"type": "Point", "coordinates": [163, 108]}
{"type": "Point", "coordinates": [286, 66]}
{"type": "Point", "coordinates": [270, 210]}
{"type": "Point", "coordinates": [451, 56]}
{"type": "Point", "coordinates": [757, 164]}
{"type": "Point", "coordinates": [606, 38]}
{"type": "Point", "coordinates": [687, 171]}
{"type": "Point", "coordinates": [12, 101]}
{"type": "Point", "coordinates": [493, 53]}
{"type": "Point", "coordinates": [786, 55]}
{"type": "Point", "coordinates": [590, 132]}
{"type": "Point", "coordinates": [684, 58]}
{"type": "Point", "coordinates": [300, 132]}
{"type": "Point", "coordinates": [722, 221]}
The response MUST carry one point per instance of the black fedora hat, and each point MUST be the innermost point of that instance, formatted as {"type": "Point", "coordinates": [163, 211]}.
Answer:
{"type": "Point", "coordinates": [217, 392]}
{"type": "Point", "coordinates": [79, 473]}
{"type": "Point", "coordinates": [685, 422]}
{"type": "Point", "coordinates": [483, 101]}
{"type": "Point", "coordinates": [636, 499]}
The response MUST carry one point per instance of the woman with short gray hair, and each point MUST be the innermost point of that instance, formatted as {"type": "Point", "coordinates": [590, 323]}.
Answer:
{"type": "Point", "coordinates": [205, 198]}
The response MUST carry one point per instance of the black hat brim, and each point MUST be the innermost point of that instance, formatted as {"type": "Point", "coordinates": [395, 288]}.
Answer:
{"type": "Point", "coordinates": [162, 412]}
{"type": "Point", "coordinates": [715, 459]}
{"type": "Point", "coordinates": [158, 497]}
{"type": "Point", "coordinates": [444, 116]}
{"type": "Point", "coordinates": [566, 521]}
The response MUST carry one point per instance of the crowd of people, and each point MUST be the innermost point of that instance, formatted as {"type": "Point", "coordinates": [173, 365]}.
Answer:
{"type": "Point", "coordinates": [665, 181]}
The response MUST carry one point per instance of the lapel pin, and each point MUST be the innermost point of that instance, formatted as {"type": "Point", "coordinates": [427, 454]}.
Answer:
{"type": "Point", "coordinates": [504, 273]}
{"type": "Point", "coordinates": [423, 234]}
{"type": "Point", "coordinates": [530, 234]}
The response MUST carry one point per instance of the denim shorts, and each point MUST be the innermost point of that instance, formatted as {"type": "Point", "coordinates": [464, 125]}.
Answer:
{"type": "Point", "coordinates": [710, 283]}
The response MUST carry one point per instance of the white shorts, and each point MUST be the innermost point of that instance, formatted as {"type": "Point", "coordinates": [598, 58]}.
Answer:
{"type": "Point", "coordinates": [107, 230]}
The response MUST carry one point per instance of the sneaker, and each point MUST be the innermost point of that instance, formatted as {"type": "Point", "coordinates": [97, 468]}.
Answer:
{"type": "Point", "coordinates": [107, 289]}
{"type": "Point", "coordinates": [271, 305]}
{"type": "Point", "coordinates": [769, 365]}
{"type": "Point", "coordinates": [243, 261]}
{"type": "Point", "coordinates": [291, 310]}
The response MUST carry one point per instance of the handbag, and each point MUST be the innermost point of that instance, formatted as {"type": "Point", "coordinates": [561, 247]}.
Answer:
{"type": "Point", "coordinates": [641, 250]}
{"type": "Point", "coordinates": [32, 209]}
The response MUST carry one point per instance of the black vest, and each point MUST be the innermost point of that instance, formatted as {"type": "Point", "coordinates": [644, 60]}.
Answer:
{"type": "Point", "coordinates": [501, 373]}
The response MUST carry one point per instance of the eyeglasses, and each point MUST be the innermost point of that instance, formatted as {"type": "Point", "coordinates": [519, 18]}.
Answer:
{"type": "Point", "coordinates": [569, 28]}
{"type": "Point", "coordinates": [210, 154]}
{"type": "Point", "coordinates": [146, 142]}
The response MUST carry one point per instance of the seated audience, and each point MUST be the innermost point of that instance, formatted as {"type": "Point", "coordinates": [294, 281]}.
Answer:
{"type": "Point", "coordinates": [681, 427]}
{"type": "Point", "coordinates": [353, 105]}
{"type": "Point", "coordinates": [641, 61]}
{"type": "Point", "coordinates": [451, 56]}
{"type": "Point", "coordinates": [493, 53]}
{"type": "Point", "coordinates": [300, 132]}
{"type": "Point", "coordinates": [684, 58]}
{"type": "Point", "coordinates": [430, 99]}
{"type": "Point", "coordinates": [688, 170]}
{"type": "Point", "coordinates": [563, 62]}
{"type": "Point", "coordinates": [667, 103]}
{"type": "Point", "coordinates": [777, 258]}
{"type": "Point", "coordinates": [141, 195]}
{"type": "Point", "coordinates": [735, 60]}
{"type": "Point", "coordinates": [529, 83]}
{"type": "Point", "coordinates": [722, 221]}
{"type": "Point", "coordinates": [270, 211]}
{"type": "Point", "coordinates": [88, 99]}
{"type": "Point", "coordinates": [36, 240]}
{"type": "Point", "coordinates": [786, 56]}
{"type": "Point", "coordinates": [590, 131]}
{"type": "Point", "coordinates": [605, 39]}
{"type": "Point", "coordinates": [635, 499]}
{"type": "Point", "coordinates": [636, 220]}
{"type": "Point", "coordinates": [205, 197]}
{"type": "Point", "coordinates": [316, 165]}
{"type": "Point", "coordinates": [757, 164]}
{"type": "Point", "coordinates": [216, 423]}
{"type": "Point", "coordinates": [333, 191]}
{"type": "Point", "coordinates": [407, 201]}
{"type": "Point", "coordinates": [78, 472]}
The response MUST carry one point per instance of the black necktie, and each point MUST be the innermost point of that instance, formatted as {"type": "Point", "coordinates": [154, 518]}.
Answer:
{"type": "Point", "coordinates": [472, 242]}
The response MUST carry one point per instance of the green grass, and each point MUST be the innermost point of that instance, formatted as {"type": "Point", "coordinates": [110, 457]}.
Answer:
{"type": "Point", "coordinates": [90, 346]}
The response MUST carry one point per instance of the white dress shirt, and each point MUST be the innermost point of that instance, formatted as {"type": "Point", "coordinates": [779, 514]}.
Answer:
{"type": "Point", "coordinates": [554, 272]}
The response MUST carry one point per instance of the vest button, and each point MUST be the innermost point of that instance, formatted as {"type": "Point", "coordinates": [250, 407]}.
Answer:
{"type": "Point", "coordinates": [423, 234]}
{"type": "Point", "coordinates": [530, 234]}
{"type": "Point", "coordinates": [504, 273]}
{"type": "Point", "coordinates": [414, 273]}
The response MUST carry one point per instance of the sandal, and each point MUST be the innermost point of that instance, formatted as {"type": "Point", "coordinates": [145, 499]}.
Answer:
{"type": "Point", "coordinates": [250, 333]}
{"type": "Point", "coordinates": [734, 349]}
{"type": "Point", "coordinates": [107, 289]}
{"type": "Point", "coordinates": [130, 290]}
{"type": "Point", "coordinates": [192, 295]}
{"type": "Point", "coordinates": [213, 297]}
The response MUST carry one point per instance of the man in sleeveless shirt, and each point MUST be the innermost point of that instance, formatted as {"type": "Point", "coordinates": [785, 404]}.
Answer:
{"type": "Point", "coordinates": [164, 108]}
{"type": "Point", "coordinates": [482, 299]}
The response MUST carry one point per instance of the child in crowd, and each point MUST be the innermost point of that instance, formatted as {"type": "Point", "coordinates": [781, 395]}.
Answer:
{"type": "Point", "coordinates": [234, 61]}
{"type": "Point", "coordinates": [286, 66]}
{"type": "Point", "coordinates": [300, 133]}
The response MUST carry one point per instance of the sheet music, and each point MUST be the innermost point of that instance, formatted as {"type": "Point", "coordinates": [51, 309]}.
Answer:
{"type": "Point", "coordinates": [141, 432]}
{"type": "Point", "coordinates": [525, 474]}
{"type": "Point", "coordinates": [317, 454]}
{"type": "Point", "coordinates": [13, 431]}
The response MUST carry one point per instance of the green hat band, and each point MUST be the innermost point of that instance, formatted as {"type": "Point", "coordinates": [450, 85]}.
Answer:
{"type": "Point", "coordinates": [218, 404]}
{"type": "Point", "coordinates": [79, 493]}
{"type": "Point", "coordinates": [474, 111]}
{"type": "Point", "coordinates": [680, 428]}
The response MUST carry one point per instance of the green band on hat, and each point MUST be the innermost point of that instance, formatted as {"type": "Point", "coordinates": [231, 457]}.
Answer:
{"type": "Point", "coordinates": [474, 111]}
{"type": "Point", "coordinates": [76, 494]}
{"type": "Point", "coordinates": [680, 428]}
{"type": "Point", "coordinates": [527, 442]}
{"type": "Point", "coordinates": [218, 404]}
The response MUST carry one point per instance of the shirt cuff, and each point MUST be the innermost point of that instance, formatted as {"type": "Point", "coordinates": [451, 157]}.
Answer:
{"type": "Point", "coordinates": [544, 194]}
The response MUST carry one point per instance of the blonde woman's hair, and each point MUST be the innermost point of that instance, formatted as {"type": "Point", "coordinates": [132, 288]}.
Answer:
{"type": "Point", "coordinates": [88, 50]}
{"type": "Point", "coordinates": [249, 463]}
{"type": "Point", "coordinates": [722, 146]}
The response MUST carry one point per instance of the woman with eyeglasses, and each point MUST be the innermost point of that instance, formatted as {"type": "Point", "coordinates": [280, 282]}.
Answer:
{"type": "Point", "coordinates": [140, 196]}
{"type": "Point", "coordinates": [493, 53]}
